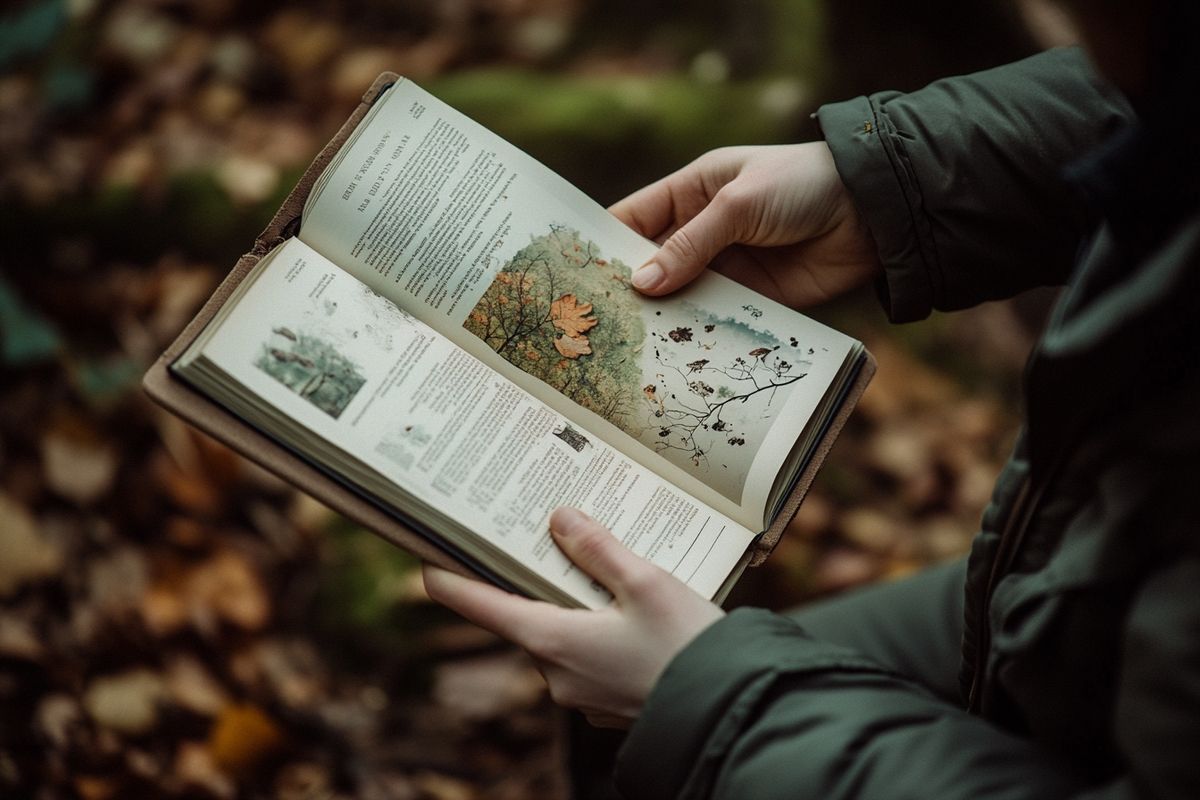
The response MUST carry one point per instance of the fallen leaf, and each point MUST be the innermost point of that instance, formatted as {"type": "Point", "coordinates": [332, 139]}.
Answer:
{"type": "Point", "coordinates": [443, 787]}
{"type": "Point", "coordinates": [288, 669]}
{"type": "Point", "coordinates": [303, 781]}
{"type": "Point", "coordinates": [571, 317]}
{"type": "Point", "coordinates": [163, 610]}
{"type": "Point", "coordinates": [77, 464]}
{"type": "Point", "coordinates": [96, 787]}
{"type": "Point", "coordinates": [28, 555]}
{"type": "Point", "coordinates": [488, 687]}
{"type": "Point", "coordinates": [869, 529]}
{"type": "Point", "coordinates": [573, 346]}
{"type": "Point", "coordinates": [843, 568]}
{"type": "Point", "coordinates": [127, 702]}
{"type": "Point", "coordinates": [228, 584]}
{"type": "Point", "coordinates": [243, 737]}
{"type": "Point", "coordinates": [196, 768]}
{"type": "Point", "coordinates": [116, 582]}
{"type": "Point", "coordinates": [58, 717]}
{"type": "Point", "coordinates": [19, 640]}
{"type": "Point", "coordinates": [193, 687]}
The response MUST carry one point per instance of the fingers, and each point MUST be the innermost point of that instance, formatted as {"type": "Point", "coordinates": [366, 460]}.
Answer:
{"type": "Point", "coordinates": [598, 553]}
{"type": "Point", "coordinates": [689, 250]}
{"type": "Point", "coordinates": [650, 210]}
{"type": "Point", "coordinates": [504, 614]}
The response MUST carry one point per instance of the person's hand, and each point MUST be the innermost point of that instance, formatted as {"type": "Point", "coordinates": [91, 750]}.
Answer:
{"type": "Point", "coordinates": [777, 219]}
{"type": "Point", "coordinates": [602, 662]}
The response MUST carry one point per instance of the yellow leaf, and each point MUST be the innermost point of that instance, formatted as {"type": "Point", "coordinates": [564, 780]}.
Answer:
{"type": "Point", "coordinates": [242, 737]}
{"type": "Point", "coordinates": [570, 316]}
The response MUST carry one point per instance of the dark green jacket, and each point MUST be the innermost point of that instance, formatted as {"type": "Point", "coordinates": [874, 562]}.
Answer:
{"type": "Point", "coordinates": [1081, 653]}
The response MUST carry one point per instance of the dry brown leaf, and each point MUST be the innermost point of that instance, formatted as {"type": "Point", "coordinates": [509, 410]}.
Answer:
{"type": "Point", "coordinates": [571, 317]}
{"type": "Point", "coordinates": [196, 768]}
{"type": "Point", "coordinates": [843, 568]}
{"type": "Point", "coordinates": [247, 180]}
{"type": "Point", "coordinates": [869, 529]}
{"type": "Point", "coordinates": [227, 584]}
{"type": "Point", "coordinates": [96, 787]}
{"type": "Point", "coordinates": [58, 716]}
{"type": "Point", "coordinates": [444, 787]}
{"type": "Point", "coordinates": [243, 737]}
{"type": "Point", "coordinates": [302, 780]}
{"type": "Point", "coordinates": [358, 68]}
{"type": "Point", "coordinates": [126, 703]}
{"type": "Point", "coordinates": [191, 491]}
{"type": "Point", "coordinates": [488, 687]}
{"type": "Point", "coordinates": [116, 582]}
{"type": "Point", "coordinates": [302, 40]}
{"type": "Point", "coordinates": [163, 610]}
{"type": "Point", "coordinates": [289, 669]}
{"type": "Point", "coordinates": [573, 346]}
{"type": "Point", "coordinates": [27, 554]}
{"type": "Point", "coordinates": [18, 639]}
{"type": "Point", "coordinates": [193, 687]}
{"type": "Point", "coordinates": [77, 464]}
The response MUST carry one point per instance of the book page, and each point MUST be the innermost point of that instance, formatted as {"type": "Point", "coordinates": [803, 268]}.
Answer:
{"type": "Point", "coordinates": [363, 378]}
{"type": "Point", "coordinates": [709, 387]}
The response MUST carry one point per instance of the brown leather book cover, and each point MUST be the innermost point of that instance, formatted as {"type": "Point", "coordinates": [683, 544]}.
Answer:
{"type": "Point", "coordinates": [195, 408]}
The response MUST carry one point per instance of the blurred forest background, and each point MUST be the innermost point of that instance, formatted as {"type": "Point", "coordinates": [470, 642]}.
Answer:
{"type": "Point", "coordinates": [176, 623]}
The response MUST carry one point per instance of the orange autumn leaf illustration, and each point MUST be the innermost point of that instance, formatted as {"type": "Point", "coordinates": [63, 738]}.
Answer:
{"type": "Point", "coordinates": [573, 346]}
{"type": "Point", "coordinates": [571, 317]}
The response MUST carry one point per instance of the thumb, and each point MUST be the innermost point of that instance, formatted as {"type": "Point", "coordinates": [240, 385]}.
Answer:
{"type": "Point", "coordinates": [689, 250]}
{"type": "Point", "coordinates": [594, 549]}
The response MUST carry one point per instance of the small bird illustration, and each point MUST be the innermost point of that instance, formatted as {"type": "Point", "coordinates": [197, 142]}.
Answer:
{"type": "Point", "coordinates": [697, 365]}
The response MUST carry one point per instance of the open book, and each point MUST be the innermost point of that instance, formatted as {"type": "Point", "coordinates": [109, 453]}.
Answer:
{"type": "Point", "coordinates": [445, 343]}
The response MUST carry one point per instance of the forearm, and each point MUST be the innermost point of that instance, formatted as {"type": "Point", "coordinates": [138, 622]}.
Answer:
{"type": "Point", "coordinates": [755, 708]}
{"type": "Point", "coordinates": [961, 183]}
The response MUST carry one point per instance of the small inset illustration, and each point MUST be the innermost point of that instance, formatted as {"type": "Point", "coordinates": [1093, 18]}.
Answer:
{"type": "Point", "coordinates": [312, 368]}
{"type": "Point", "coordinates": [572, 437]}
{"type": "Point", "coordinates": [403, 446]}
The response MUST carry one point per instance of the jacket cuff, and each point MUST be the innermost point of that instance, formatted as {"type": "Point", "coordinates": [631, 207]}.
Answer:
{"type": "Point", "coordinates": [708, 694]}
{"type": "Point", "coordinates": [872, 163]}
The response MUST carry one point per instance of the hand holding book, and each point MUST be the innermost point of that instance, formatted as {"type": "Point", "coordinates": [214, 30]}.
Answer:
{"type": "Point", "coordinates": [603, 662]}
{"type": "Point", "coordinates": [776, 219]}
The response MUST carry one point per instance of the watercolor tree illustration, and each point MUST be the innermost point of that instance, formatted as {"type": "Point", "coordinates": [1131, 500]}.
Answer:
{"type": "Point", "coordinates": [564, 314]}
{"type": "Point", "coordinates": [718, 384]}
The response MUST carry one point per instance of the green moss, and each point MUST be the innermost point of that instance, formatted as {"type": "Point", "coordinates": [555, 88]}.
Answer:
{"type": "Point", "coordinates": [610, 135]}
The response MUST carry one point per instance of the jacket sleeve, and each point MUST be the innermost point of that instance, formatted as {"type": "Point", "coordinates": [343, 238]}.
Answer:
{"type": "Point", "coordinates": [754, 707]}
{"type": "Point", "coordinates": [961, 183]}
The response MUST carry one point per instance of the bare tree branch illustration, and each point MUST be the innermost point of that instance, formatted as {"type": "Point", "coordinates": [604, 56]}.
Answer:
{"type": "Point", "coordinates": [683, 420]}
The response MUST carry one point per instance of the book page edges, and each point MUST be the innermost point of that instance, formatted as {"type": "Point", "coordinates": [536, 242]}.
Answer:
{"type": "Point", "coordinates": [765, 543]}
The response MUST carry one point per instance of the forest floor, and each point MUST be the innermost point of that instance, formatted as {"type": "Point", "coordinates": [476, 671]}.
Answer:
{"type": "Point", "coordinates": [174, 622]}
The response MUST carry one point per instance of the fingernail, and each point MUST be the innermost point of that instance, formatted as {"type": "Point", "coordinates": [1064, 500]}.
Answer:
{"type": "Point", "coordinates": [649, 276]}
{"type": "Point", "coordinates": [566, 522]}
